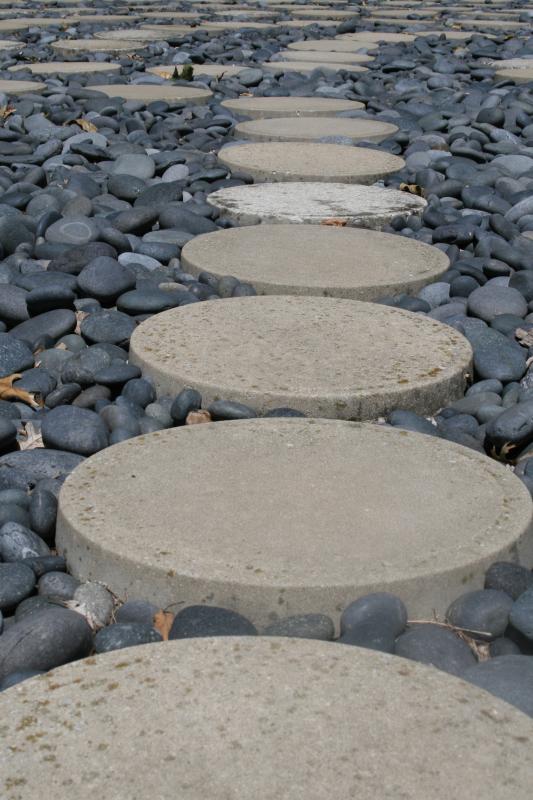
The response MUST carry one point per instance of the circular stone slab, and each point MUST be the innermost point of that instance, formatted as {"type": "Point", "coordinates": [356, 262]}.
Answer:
{"type": "Point", "coordinates": [326, 46]}
{"type": "Point", "coordinates": [244, 717]}
{"type": "Point", "coordinates": [377, 36]}
{"type": "Point", "coordinates": [152, 34]}
{"type": "Point", "coordinates": [300, 129]}
{"type": "Point", "coordinates": [276, 517]}
{"type": "Point", "coordinates": [256, 350]}
{"type": "Point", "coordinates": [66, 67]}
{"type": "Point", "coordinates": [267, 107]}
{"type": "Point", "coordinates": [315, 203]}
{"type": "Point", "coordinates": [513, 63]}
{"type": "Point", "coordinates": [71, 47]}
{"type": "Point", "coordinates": [21, 87]}
{"type": "Point", "coordinates": [8, 44]}
{"type": "Point", "coordinates": [524, 75]}
{"type": "Point", "coordinates": [296, 161]}
{"type": "Point", "coordinates": [324, 57]}
{"type": "Point", "coordinates": [316, 260]}
{"type": "Point", "coordinates": [148, 92]}
{"type": "Point", "coordinates": [309, 66]}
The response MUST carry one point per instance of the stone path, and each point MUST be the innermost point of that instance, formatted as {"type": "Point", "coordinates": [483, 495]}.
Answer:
{"type": "Point", "coordinates": [192, 706]}
{"type": "Point", "coordinates": [294, 129]}
{"type": "Point", "coordinates": [316, 260]}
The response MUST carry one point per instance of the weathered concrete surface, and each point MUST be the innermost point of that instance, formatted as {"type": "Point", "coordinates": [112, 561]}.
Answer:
{"type": "Point", "coordinates": [309, 161]}
{"type": "Point", "coordinates": [315, 203]}
{"type": "Point", "coordinates": [309, 66]}
{"type": "Point", "coordinates": [148, 92]}
{"type": "Point", "coordinates": [302, 129]}
{"type": "Point", "coordinates": [325, 56]}
{"type": "Point", "coordinates": [72, 47]}
{"type": "Point", "coordinates": [273, 517]}
{"type": "Point", "coordinates": [21, 87]}
{"type": "Point", "coordinates": [367, 359]}
{"type": "Point", "coordinates": [66, 67]}
{"type": "Point", "coordinates": [267, 107]}
{"type": "Point", "coordinates": [328, 46]}
{"type": "Point", "coordinates": [524, 75]}
{"type": "Point", "coordinates": [316, 260]}
{"type": "Point", "coordinates": [260, 717]}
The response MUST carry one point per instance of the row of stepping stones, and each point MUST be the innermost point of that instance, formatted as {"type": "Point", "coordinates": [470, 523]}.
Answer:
{"type": "Point", "coordinates": [272, 518]}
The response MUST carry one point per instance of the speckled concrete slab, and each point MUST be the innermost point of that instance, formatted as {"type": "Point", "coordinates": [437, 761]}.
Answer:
{"type": "Point", "coordinates": [66, 67]}
{"type": "Point", "coordinates": [294, 129]}
{"type": "Point", "coordinates": [268, 107]}
{"type": "Point", "coordinates": [148, 92]}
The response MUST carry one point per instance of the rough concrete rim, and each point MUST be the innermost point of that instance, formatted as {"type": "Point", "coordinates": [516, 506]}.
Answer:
{"type": "Point", "coordinates": [149, 92]}
{"type": "Point", "coordinates": [272, 525]}
{"type": "Point", "coordinates": [316, 260]}
{"type": "Point", "coordinates": [294, 129]}
{"type": "Point", "coordinates": [315, 203]}
{"type": "Point", "coordinates": [390, 358]}
{"type": "Point", "coordinates": [262, 717]}
{"type": "Point", "coordinates": [268, 107]}
{"type": "Point", "coordinates": [309, 161]}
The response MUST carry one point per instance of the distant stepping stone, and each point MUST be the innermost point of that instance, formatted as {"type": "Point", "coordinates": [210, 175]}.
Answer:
{"type": "Point", "coordinates": [378, 36]}
{"type": "Point", "coordinates": [66, 67]}
{"type": "Point", "coordinates": [270, 517]}
{"type": "Point", "coordinates": [309, 66]}
{"type": "Point", "coordinates": [316, 260]}
{"type": "Point", "coordinates": [326, 719]}
{"type": "Point", "coordinates": [214, 70]}
{"type": "Point", "coordinates": [326, 46]}
{"type": "Point", "coordinates": [255, 350]}
{"type": "Point", "coordinates": [153, 34]}
{"type": "Point", "coordinates": [267, 107]}
{"type": "Point", "coordinates": [315, 203]}
{"type": "Point", "coordinates": [148, 93]}
{"type": "Point", "coordinates": [301, 129]}
{"type": "Point", "coordinates": [11, 44]}
{"type": "Point", "coordinates": [72, 47]}
{"type": "Point", "coordinates": [309, 161]}
{"type": "Point", "coordinates": [324, 56]}
{"type": "Point", "coordinates": [514, 71]}
{"type": "Point", "coordinates": [21, 87]}
{"type": "Point", "coordinates": [454, 35]}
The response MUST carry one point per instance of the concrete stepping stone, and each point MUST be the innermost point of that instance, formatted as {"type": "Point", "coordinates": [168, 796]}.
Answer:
{"type": "Point", "coordinates": [315, 203]}
{"type": "Point", "coordinates": [455, 35]}
{"type": "Point", "coordinates": [243, 717]}
{"type": "Point", "coordinates": [10, 44]}
{"type": "Point", "coordinates": [309, 66]}
{"type": "Point", "coordinates": [149, 92]}
{"type": "Point", "coordinates": [267, 107]}
{"type": "Point", "coordinates": [324, 56]}
{"type": "Point", "coordinates": [72, 47]}
{"type": "Point", "coordinates": [301, 129]}
{"type": "Point", "coordinates": [377, 36]}
{"type": "Point", "coordinates": [214, 70]}
{"type": "Point", "coordinates": [310, 13]}
{"type": "Point", "coordinates": [276, 517]}
{"type": "Point", "coordinates": [66, 67]}
{"type": "Point", "coordinates": [255, 350]}
{"type": "Point", "coordinates": [326, 46]}
{"type": "Point", "coordinates": [513, 63]}
{"type": "Point", "coordinates": [21, 87]}
{"type": "Point", "coordinates": [154, 34]}
{"type": "Point", "coordinates": [316, 260]}
{"type": "Point", "coordinates": [524, 75]}
{"type": "Point", "coordinates": [309, 161]}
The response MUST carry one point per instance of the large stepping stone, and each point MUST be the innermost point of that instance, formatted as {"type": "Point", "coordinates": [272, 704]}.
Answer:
{"type": "Point", "coordinates": [310, 66]}
{"type": "Point", "coordinates": [148, 92]}
{"type": "Point", "coordinates": [21, 87]}
{"type": "Point", "coordinates": [324, 46]}
{"type": "Point", "coordinates": [309, 161]}
{"type": "Point", "coordinates": [66, 67]}
{"type": "Point", "coordinates": [72, 47]}
{"type": "Point", "coordinates": [315, 203]}
{"type": "Point", "coordinates": [316, 260]}
{"type": "Point", "coordinates": [324, 57]}
{"type": "Point", "coordinates": [244, 717]}
{"type": "Point", "coordinates": [255, 350]}
{"type": "Point", "coordinates": [268, 107]}
{"type": "Point", "coordinates": [377, 36]}
{"type": "Point", "coordinates": [301, 129]}
{"type": "Point", "coordinates": [272, 517]}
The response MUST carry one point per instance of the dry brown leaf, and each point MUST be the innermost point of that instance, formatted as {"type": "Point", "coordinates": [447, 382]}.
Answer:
{"type": "Point", "coordinates": [163, 622]}
{"type": "Point", "coordinates": [246, 94]}
{"type": "Point", "coordinates": [411, 188]}
{"type": "Point", "coordinates": [7, 392]}
{"type": "Point", "coordinates": [80, 316]}
{"type": "Point", "coordinates": [6, 111]}
{"type": "Point", "coordinates": [337, 223]}
{"type": "Point", "coordinates": [524, 337]}
{"type": "Point", "coordinates": [60, 346]}
{"type": "Point", "coordinates": [86, 126]}
{"type": "Point", "coordinates": [33, 438]}
{"type": "Point", "coordinates": [197, 417]}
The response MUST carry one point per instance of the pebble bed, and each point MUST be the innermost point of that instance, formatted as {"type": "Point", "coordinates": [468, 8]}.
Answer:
{"type": "Point", "coordinates": [98, 197]}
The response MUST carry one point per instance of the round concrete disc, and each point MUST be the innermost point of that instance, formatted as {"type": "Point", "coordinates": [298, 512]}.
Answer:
{"type": "Point", "coordinates": [309, 161]}
{"type": "Point", "coordinates": [21, 87]}
{"type": "Point", "coordinates": [9, 44]}
{"type": "Point", "coordinates": [524, 75]}
{"type": "Point", "coordinates": [454, 35]}
{"type": "Point", "coordinates": [513, 63]}
{"type": "Point", "coordinates": [71, 47]}
{"type": "Point", "coordinates": [315, 203]}
{"type": "Point", "coordinates": [267, 107]}
{"type": "Point", "coordinates": [66, 67]}
{"type": "Point", "coordinates": [377, 36]}
{"type": "Point", "coordinates": [316, 260]}
{"type": "Point", "coordinates": [324, 56]}
{"type": "Point", "coordinates": [309, 13]}
{"type": "Point", "coordinates": [309, 66]}
{"type": "Point", "coordinates": [294, 129]}
{"type": "Point", "coordinates": [260, 717]}
{"type": "Point", "coordinates": [255, 350]}
{"type": "Point", "coordinates": [135, 34]}
{"type": "Point", "coordinates": [326, 46]}
{"type": "Point", "coordinates": [272, 517]}
{"type": "Point", "coordinates": [214, 70]}
{"type": "Point", "coordinates": [148, 92]}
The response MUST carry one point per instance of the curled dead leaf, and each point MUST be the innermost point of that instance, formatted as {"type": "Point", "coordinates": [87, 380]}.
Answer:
{"type": "Point", "coordinates": [335, 222]}
{"type": "Point", "coordinates": [163, 622]}
{"type": "Point", "coordinates": [412, 188]}
{"type": "Point", "coordinates": [197, 417]}
{"type": "Point", "coordinates": [524, 337]}
{"type": "Point", "coordinates": [86, 126]}
{"type": "Point", "coordinates": [8, 392]}
{"type": "Point", "coordinates": [6, 111]}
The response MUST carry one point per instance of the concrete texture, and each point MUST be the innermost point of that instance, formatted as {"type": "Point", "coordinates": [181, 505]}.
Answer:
{"type": "Point", "coordinates": [268, 107]}
{"type": "Point", "coordinates": [327, 46]}
{"type": "Point", "coordinates": [315, 203]}
{"type": "Point", "coordinates": [242, 718]}
{"type": "Point", "coordinates": [316, 260]}
{"type": "Point", "coordinates": [377, 36]}
{"type": "Point", "coordinates": [21, 87]}
{"type": "Point", "coordinates": [256, 350]}
{"type": "Point", "coordinates": [147, 34]}
{"type": "Point", "coordinates": [148, 92]}
{"type": "Point", "coordinates": [310, 161]}
{"type": "Point", "coordinates": [66, 67]}
{"type": "Point", "coordinates": [323, 56]}
{"type": "Point", "coordinates": [513, 63]}
{"type": "Point", "coordinates": [524, 75]}
{"type": "Point", "coordinates": [71, 47]}
{"type": "Point", "coordinates": [215, 70]}
{"type": "Point", "coordinates": [300, 129]}
{"type": "Point", "coordinates": [309, 66]}
{"type": "Point", "coordinates": [10, 44]}
{"type": "Point", "coordinates": [274, 517]}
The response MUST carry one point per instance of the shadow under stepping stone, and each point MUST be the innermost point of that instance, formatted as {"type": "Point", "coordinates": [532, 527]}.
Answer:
{"type": "Point", "coordinates": [149, 93]}
{"type": "Point", "coordinates": [315, 203]}
{"type": "Point", "coordinates": [66, 67]}
{"type": "Point", "coordinates": [297, 129]}
{"type": "Point", "coordinates": [327, 357]}
{"type": "Point", "coordinates": [243, 717]}
{"type": "Point", "coordinates": [316, 260]}
{"type": "Point", "coordinates": [309, 161]}
{"type": "Point", "coordinates": [273, 517]}
{"type": "Point", "coordinates": [267, 107]}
